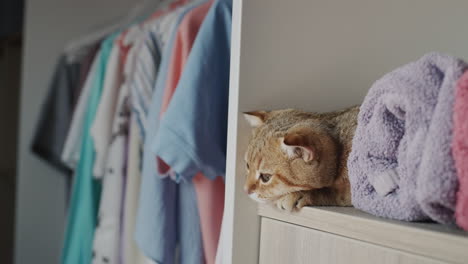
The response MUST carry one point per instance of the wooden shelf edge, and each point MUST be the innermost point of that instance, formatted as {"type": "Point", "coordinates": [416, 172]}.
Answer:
{"type": "Point", "coordinates": [427, 239]}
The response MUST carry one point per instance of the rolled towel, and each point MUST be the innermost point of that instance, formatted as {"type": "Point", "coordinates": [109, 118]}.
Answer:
{"type": "Point", "coordinates": [401, 166]}
{"type": "Point", "coordinates": [460, 149]}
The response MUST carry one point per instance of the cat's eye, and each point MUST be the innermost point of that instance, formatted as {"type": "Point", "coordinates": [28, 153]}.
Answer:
{"type": "Point", "coordinates": [247, 165]}
{"type": "Point", "coordinates": [265, 177]}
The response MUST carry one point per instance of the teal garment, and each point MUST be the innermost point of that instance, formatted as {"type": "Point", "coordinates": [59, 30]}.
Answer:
{"type": "Point", "coordinates": [86, 193]}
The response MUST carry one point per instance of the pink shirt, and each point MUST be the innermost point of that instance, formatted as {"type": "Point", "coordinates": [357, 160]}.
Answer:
{"type": "Point", "coordinates": [210, 194]}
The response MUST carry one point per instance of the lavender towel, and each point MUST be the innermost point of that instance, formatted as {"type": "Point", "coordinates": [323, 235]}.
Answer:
{"type": "Point", "coordinates": [401, 165]}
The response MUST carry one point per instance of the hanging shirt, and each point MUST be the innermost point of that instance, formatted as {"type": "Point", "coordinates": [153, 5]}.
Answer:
{"type": "Point", "coordinates": [167, 212]}
{"type": "Point", "coordinates": [210, 198]}
{"type": "Point", "coordinates": [86, 191]}
{"type": "Point", "coordinates": [57, 110]}
{"type": "Point", "coordinates": [186, 33]}
{"type": "Point", "coordinates": [156, 35]}
{"type": "Point", "coordinates": [147, 56]}
{"type": "Point", "coordinates": [108, 232]}
{"type": "Point", "coordinates": [192, 134]}
{"type": "Point", "coordinates": [72, 146]}
{"type": "Point", "coordinates": [112, 242]}
{"type": "Point", "coordinates": [107, 239]}
{"type": "Point", "coordinates": [131, 254]}
{"type": "Point", "coordinates": [210, 194]}
{"type": "Point", "coordinates": [101, 128]}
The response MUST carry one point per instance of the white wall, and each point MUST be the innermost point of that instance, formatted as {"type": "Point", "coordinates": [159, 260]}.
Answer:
{"type": "Point", "coordinates": [41, 208]}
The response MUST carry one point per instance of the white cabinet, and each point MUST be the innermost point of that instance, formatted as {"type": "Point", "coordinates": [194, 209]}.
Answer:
{"type": "Point", "coordinates": [286, 243]}
{"type": "Point", "coordinates": [433, 241]}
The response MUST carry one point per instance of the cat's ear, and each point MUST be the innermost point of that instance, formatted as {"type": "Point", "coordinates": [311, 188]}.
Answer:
{"type": "Point", "coordinates": [255, 118]}
{"type": "Point", "coordinates": [296, 145]}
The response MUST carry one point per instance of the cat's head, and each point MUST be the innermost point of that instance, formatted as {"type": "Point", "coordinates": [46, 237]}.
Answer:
{"type": "Point", "coordinates": [289, 151]}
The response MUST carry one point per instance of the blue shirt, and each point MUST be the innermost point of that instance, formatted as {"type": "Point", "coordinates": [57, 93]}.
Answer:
{"type": "Point", "coordinates": [168, 212]}
{"type": "Point", "coordinates": [192, 134]}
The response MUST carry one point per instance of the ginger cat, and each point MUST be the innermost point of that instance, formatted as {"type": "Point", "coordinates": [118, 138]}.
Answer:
{"type": "Point", "coordinates": [296, 158]}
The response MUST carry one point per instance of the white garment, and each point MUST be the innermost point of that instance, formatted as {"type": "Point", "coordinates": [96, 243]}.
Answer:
{"type": "Point", "coordinates": [131, 252]}
{"type": "Point", "coordinates": [101, 128]}
{"type": "Point", "coordinates": [72, 146]}
{"type": "Point", "coordinates": [117, 213]}
{"type": "Point", "coordinates": [107, 237]}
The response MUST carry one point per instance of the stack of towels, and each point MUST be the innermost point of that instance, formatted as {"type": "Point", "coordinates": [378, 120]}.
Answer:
{"type": "Point", "coordinates": [410, 151]}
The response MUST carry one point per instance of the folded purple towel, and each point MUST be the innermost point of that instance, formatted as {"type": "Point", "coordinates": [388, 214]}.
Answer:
{"type": "Point", "coordinates": [401, 165]}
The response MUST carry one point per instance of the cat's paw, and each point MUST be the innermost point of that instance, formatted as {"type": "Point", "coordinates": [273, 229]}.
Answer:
{"type": "Point", "coordinates": [304, 201]}
{"type": "Point", "coordinates": [291, 202]}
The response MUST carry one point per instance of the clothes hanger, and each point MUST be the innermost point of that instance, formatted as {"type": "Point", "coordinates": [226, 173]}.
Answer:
{"type": "Point", "coordinates": [137, 11]}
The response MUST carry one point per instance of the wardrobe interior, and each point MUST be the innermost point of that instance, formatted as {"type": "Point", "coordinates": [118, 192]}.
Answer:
{"type": "Point", "coordinates": [318, 56]}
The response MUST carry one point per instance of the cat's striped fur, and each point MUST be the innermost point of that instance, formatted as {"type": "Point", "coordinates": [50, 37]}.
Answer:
{"type": "Point", "coordinates": [296, 158]}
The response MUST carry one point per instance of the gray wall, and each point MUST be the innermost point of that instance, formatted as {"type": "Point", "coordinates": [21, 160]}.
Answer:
{"type": "Point", "coordinates": [41, 208]}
